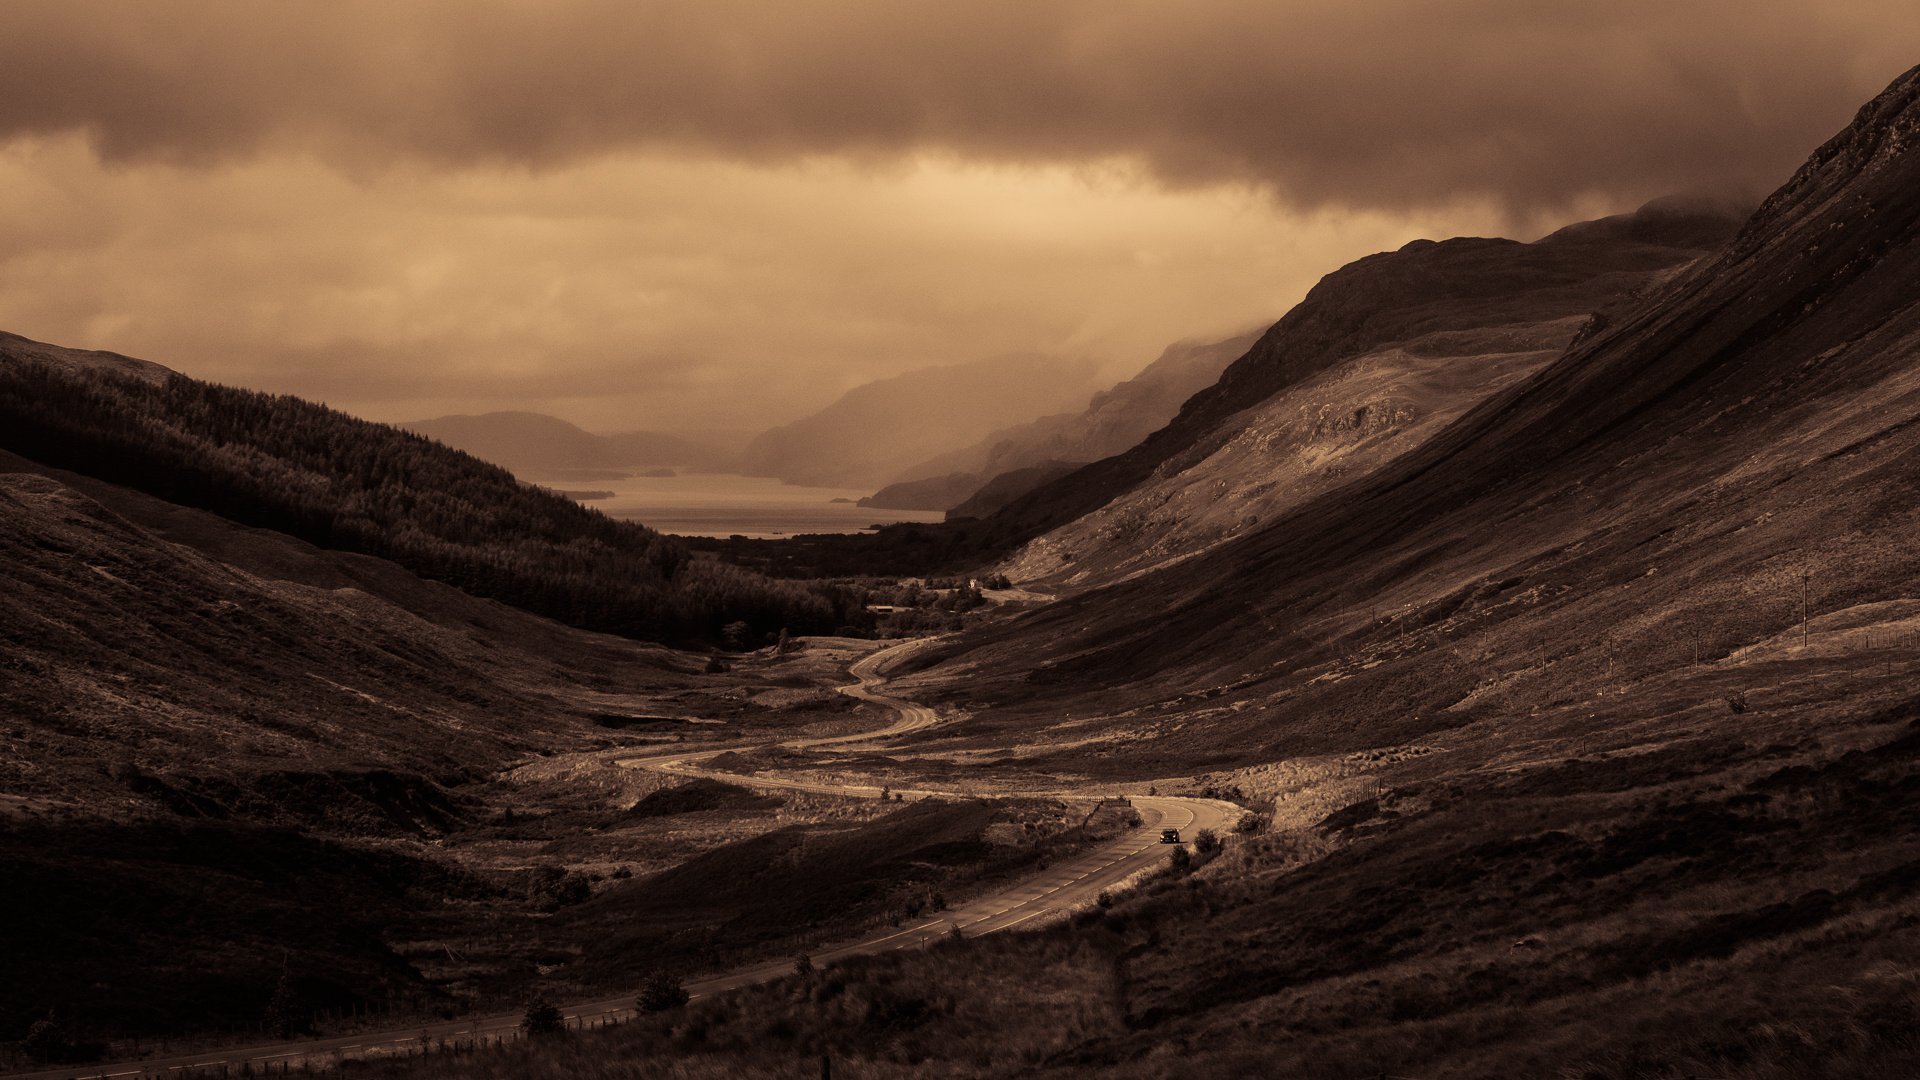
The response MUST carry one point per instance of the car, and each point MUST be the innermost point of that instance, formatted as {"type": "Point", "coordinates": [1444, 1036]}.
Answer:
{"type": "Point", "coordinates": [1169, 836]}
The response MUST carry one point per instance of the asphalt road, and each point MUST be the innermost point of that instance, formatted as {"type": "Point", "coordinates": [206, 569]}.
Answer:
{"type": "Point", "coordinates": [1056, 891]}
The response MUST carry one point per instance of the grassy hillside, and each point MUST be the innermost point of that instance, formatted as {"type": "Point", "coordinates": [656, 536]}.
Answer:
{"type": "Point", "coordinates": [305, 470]}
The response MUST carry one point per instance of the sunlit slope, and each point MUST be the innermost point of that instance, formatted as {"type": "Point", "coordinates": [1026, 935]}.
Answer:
{"type": "Point", "coordinates": [1425, 288]}
{"type": "Point", "coordinates": [1306, 440]}
{"type": "Point", "coordinates": [1663, 486]}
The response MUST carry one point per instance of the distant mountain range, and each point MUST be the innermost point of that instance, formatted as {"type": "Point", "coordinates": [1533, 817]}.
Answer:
{"type": "Point", "coordinates": [874, 432]}
{"type": "Point", "coordinates": [1017, 459]}
{"type": "Point", "coordinates": [536, 446]}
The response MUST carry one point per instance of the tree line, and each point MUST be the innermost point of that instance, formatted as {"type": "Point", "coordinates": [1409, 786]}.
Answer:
{"type": "Point", "coordinates": [282, 463]}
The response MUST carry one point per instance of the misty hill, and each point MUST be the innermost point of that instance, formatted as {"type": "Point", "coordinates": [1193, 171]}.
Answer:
{"type": "Point", "coordinates": [932, 493]}
{"type": "Point", "coordinates": [1004, 488]}
{"type": "Point", "coordinates": [535, 446]}
{"type": "Point", "coordinates": [337, 482]}
{"type": "Point", "coordinates": [1113, 422]}
{"type": "Point", "coordinates": [865, 439]}
{"type": "Point", "coordinates": [1665, 489]}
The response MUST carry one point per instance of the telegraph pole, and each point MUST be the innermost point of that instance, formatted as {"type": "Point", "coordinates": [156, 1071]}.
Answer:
{"type": "Point", "coordinates": [1806, 604]}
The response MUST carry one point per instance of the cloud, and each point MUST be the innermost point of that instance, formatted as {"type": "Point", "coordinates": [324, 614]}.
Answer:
{"type": "Point", "coordinates": [1390, 103]}
{"type": "Point", "coordinates": [634, 291]}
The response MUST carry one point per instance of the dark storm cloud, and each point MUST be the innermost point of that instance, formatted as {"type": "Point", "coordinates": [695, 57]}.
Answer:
{"type": "Point", "coordinates": [1385, 103]}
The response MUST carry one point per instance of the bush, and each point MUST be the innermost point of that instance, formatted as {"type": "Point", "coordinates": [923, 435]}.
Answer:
{"type": "Point", "coordinates": [661, 991]}
{"type": "Point", "coordinates": [1180, 861]}
{"type": "Point", "coordinates": [1205, 842]}
{"type": "Point", "coordinates": [802, 964]}
{"type": "Point", "coordinates": [543, 1019]}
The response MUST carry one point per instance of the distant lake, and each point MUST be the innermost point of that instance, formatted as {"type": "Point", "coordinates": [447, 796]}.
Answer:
{"type": "Point", "coordinates": [722, 504]}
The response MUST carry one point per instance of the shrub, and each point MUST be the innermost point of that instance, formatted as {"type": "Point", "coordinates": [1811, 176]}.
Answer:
{"type": "Point", "coordinates": [1205, 842]}
{"type": "Point", "coordinates": [660, 991]}
{"type": "Point", "coordinates": [543, 1019]}
{"type": "Point", "coordinates": [802, 964]}
{"type": "Point", "coordinates": [1180, 861]}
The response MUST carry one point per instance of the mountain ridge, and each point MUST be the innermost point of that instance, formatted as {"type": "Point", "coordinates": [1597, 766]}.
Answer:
{"type": "Point", "coordinates": [1423, 287]}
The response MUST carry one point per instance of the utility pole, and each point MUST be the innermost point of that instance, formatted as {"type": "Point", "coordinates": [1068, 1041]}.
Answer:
{"type": "Point", "coordinates": [1806, 604]}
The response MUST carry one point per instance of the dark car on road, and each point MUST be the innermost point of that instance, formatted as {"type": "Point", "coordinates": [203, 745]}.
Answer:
{"type": "Point", "coordinates": [1169, 836]}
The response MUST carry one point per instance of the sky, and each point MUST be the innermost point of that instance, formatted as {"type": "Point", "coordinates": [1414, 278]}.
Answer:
{"type": "Point", "coordinates": [725, 213]}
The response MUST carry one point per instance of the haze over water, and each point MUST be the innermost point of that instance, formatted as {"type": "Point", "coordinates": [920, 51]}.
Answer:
{"type": "Point", "coordinates": [725, 504]}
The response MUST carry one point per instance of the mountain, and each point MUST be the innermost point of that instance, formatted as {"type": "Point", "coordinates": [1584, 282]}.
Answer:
{"type": "Point", "coordinates": [1701, 470]}
{"type": "Point", "coordinates": [1349, 418]}
{"type": "Point", "coordinates": [933, 493]}
{"type": "Point", "coordinates": [139, 624]}
{"type": "Point", "coordinates": [341, 483]}
{"type": "Point", "coordinates": [223, 751]}
{"type": "Point", "coordinates": [535, 446]}
{"type": "Point", "coordinates": [1008, 486]}
{"type": "Point", "coordinates": [874, 431]}
{"type": "Point", "coordinates": [1112, 423]}
{"type": "Point", "coordinates": [1425, 288]}
{"type": "Point", "coordinates": [1020, 458]}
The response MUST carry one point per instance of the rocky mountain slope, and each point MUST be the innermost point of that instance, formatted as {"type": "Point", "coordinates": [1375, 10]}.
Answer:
{"type": "Point", "coordinates": [1379, 302]}
{"type": "Point", "coordinates": [1112, 423]}
{"type": "Point", "coordinates": [1695, 472]}
{"type": "Point", "coordinates": [534, 446]}
{"type": "Point", "coordinates": [874, 432]}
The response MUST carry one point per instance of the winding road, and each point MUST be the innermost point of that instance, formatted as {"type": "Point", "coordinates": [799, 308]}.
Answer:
{"type": "Point", "coordinates": [1053, 893]}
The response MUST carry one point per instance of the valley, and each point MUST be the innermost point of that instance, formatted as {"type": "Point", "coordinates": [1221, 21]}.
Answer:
{"type": "Point", "coordinates": [1522, 636]}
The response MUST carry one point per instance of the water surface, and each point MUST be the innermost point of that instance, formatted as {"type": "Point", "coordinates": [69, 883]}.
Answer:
{"type": "Point", "coordinates": [725, 504]}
